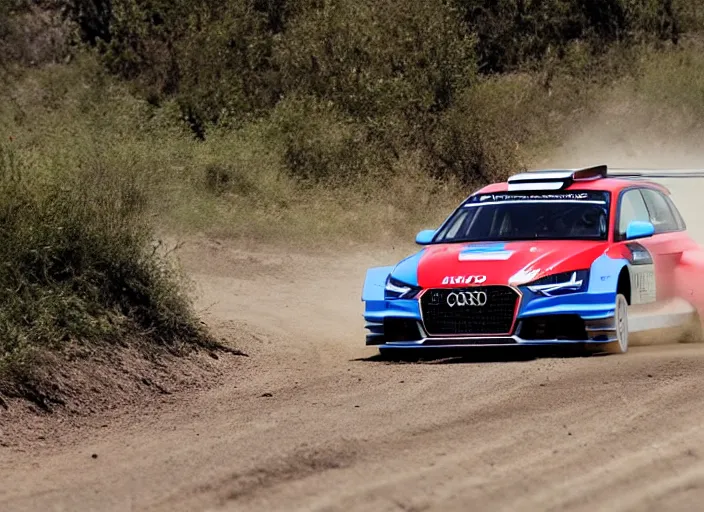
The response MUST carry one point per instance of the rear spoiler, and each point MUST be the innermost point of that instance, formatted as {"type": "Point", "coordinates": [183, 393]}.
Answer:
{"type": "Point", "coordinates": [560, 179]}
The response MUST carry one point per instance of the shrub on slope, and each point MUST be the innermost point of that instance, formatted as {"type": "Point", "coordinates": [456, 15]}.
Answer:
{"type": "Point", "coordinates": [76, 268]}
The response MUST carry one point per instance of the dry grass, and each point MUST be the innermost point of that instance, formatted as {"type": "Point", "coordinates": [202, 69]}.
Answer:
{"type": "Point", "coordinates": [64, 119]}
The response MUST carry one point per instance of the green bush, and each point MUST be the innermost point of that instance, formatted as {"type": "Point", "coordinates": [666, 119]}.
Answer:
{"type": "Point", "coordinates": [374, 58]}
{"type": "Point", "coordinates": [516, 33]}
{"type": "Point", "coordinates": [348, 86]}
{"type": "Point", "coordinates": [314, 108]}
{"type": "Point", "coordinates": [477, 140]}
{"type": "Point", "coordinates": [320, 143]}
{"type": "Point", "coordinates": [77, 267]}
{"type": "Point", "coordinates": [212, 56]}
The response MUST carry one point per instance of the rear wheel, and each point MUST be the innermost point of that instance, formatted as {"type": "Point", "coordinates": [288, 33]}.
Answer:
{"type": "Point", "coordinates": [620, 346]}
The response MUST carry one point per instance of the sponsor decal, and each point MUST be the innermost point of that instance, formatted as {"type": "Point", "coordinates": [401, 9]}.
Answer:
{"type": "Point", "coordinates": [489, 252]}
{"type": "Point", "coordinates": [523, 276]}
{"type": "Point", "coordinates": [568, 196]}
{"type": "Point", "coordinates": [485, 256]}
{"type": "Point", "coordinates": [463, 280]}
{"type": "Point", "coordinates": [644, 282]}
{"type": "Point", "coordinates": [590, 197]}
{"type": "Point", "coordinates": [643, 286]}
{"type": "Point", "coordinates": [467, 299]}
{"type": "Point", "coordinates": [642, 271]}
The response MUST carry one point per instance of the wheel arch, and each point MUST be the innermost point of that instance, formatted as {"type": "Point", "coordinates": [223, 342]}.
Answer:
{"type": "Point", "coordinates": [623, 285]}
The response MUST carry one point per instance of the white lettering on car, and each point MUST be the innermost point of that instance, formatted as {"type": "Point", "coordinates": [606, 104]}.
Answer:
{"type": "Point", "coordinates": [464, 280]}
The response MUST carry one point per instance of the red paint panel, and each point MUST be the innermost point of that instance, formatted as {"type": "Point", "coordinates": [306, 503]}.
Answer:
{"type": "Point", "coordinates": [527, 261]}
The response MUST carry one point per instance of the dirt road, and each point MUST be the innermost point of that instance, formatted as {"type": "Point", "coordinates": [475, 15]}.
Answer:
{"type": "Point", "coordinates": [341, 432]}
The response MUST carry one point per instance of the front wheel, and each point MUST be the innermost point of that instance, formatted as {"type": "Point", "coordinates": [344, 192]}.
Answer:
{"type": "Point", "coordinates": [620, 346]}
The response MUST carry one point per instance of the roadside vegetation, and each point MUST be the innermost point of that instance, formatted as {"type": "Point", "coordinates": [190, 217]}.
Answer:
{"type": "Point", "coordinates": [80, 268]}
{"type": "Point", "coordinates": [307, 122]}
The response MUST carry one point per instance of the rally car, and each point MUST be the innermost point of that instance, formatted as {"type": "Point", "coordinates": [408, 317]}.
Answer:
{"type": "Point", "coordinates": [556, 257]}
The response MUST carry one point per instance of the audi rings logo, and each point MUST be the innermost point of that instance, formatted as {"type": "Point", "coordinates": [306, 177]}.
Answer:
{"type": "Point", "coordinates": [464, 299]}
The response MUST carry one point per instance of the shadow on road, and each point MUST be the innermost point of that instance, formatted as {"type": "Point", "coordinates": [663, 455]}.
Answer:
{"type": "Point", "coordinates": [478, 355]}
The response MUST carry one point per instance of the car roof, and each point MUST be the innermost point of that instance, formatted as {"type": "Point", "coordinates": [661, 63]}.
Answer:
{"type": "Point", "coordinates": [613, 185]}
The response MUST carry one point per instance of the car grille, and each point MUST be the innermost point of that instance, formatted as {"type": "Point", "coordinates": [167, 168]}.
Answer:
{"type": "Point", "coordinates": [480, 310]}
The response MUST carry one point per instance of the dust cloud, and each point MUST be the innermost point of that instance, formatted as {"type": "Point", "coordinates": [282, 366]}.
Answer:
{"type": "Point", "coordinates": [638, 138]}
{"type": "Point", "coordinates": [647, 137]}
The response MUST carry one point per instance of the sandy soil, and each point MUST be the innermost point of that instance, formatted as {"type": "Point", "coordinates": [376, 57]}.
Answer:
{"type": "Point", "coordinates": [310, 421]}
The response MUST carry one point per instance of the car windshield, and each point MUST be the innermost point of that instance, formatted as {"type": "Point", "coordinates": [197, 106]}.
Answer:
{"type": "Point", "coordinates": [529, 216]}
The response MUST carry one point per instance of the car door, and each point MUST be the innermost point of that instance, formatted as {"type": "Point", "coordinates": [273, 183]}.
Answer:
{"type": "Point", "coordinates": [632, 207]}
{"type": "Point", "coordinates": [668, 242]}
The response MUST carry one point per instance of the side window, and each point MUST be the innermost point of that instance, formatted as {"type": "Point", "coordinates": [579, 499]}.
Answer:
{"type": "Point", "coordinates": [632, 208]}
{"type": "Point", "coordinates": [660, 213]}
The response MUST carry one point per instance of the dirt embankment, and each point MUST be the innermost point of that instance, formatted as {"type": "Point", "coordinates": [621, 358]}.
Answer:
{"type": "Point", "coordinates": [308, 421]}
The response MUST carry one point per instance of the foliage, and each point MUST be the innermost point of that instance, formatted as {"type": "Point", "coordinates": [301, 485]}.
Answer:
{"type": "Point", "coordinates": [512, 33]}
{"type": "Point", "coordinates": [77, 266]}
{"type": "Point", "coordinates": [359, 83]}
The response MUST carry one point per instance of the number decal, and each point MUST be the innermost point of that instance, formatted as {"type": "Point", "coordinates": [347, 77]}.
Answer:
{"type": "Point", "coordinates": [642, 269]}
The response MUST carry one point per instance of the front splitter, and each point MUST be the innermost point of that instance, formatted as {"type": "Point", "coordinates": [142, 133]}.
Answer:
{"type": "Point", "coordinates": [475, 342]}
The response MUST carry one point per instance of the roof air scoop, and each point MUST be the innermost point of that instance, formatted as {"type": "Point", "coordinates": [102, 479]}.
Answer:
{"type": "Point", "coordinates": [554, 179]}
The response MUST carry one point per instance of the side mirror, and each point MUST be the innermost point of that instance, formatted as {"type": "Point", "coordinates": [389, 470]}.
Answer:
{"type": "Point", "coordinates": [639, 229]}
{"type": "Point", "coordinates": [425, 237]}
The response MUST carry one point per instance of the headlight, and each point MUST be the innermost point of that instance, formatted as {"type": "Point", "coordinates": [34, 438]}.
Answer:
{"type": "Point", "coordinates": [560, 284]}
{"type": "Point", "coordinates": [396, 289]}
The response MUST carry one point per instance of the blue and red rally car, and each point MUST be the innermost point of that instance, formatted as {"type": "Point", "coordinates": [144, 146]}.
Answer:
{"type": "Point", "coordinates": [549, 258]}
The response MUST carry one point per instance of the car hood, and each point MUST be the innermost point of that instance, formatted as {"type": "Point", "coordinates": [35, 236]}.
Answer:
{"type": "Point", "coordinates": [513, 263]}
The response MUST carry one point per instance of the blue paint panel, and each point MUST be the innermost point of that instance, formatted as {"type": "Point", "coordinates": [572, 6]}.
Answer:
{"type": "Point", "coordinates": [407, 270]}
{"type": "Point", "coordinates": [375, 282]}
{"type": "Point", "coordinates": [481, 248]}
{"type": "Point", "coordinates": [377, 310]}
{"type": "Point", "coordinates": [590, 306]}
{"type": "Point", "coordinates": [597, 302]}
{"type": "Point", "coordinates": [603, 277]}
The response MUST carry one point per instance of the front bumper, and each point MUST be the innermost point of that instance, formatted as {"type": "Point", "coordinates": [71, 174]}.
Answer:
{"type": "Point", "coordinates": [579, 318]}
{"type": "Point", "coordinates": [531, 331]}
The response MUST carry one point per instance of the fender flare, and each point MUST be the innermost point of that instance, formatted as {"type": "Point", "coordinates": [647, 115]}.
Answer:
{"type": "Point", "coordinates": [374, 283]}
